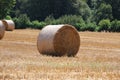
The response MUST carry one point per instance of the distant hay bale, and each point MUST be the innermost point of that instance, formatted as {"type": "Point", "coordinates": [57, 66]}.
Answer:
{"type": "Point", "coordinates": [2, 30]}
{"type": "Point", "coordinates": [9, 24]}
{"type": "Point", "coordinates": [58, 40]}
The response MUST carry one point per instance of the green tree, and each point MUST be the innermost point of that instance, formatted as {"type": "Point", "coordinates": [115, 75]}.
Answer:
{"type": "Point", "coordinates": [92, 3]}
{"type": "Point", "coordinates": [5, 7]}
{"type": "Point", "coordinates": [83, 9]}
{"type": "Point", "coordinates": [40, 9]}
{"type": "Point", "coordinates": [19, 8]}
{"type": "Point", "coordinates": [115, 8]}
{"type": "Point", "coordinates": [103, 12]}
{"type": "Point", "coordinates": [22, 21]}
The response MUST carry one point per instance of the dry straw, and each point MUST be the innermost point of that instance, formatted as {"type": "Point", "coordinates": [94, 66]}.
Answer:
{"type": "Point", "coordinates": [9, 24]}
{"type": "Point", "coordinates": [2, 30]}
{"type": "Point", "coordinates": [58, 40]}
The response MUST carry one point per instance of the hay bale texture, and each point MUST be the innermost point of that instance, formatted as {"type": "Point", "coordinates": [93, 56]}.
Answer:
{"type": "Point", "coordinates": [2, 30]}
{"type": "Point", "coordinates": [9, 25]}
{"type": "Point", "coordinates": [58, 40]}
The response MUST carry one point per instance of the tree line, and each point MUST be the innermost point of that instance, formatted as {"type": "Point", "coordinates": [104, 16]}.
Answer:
{"type": "Point", "coordinates": [91, 15]}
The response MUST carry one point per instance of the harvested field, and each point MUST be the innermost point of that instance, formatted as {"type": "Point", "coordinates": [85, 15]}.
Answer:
{"type": "Point", "coordinates": [98, 58]}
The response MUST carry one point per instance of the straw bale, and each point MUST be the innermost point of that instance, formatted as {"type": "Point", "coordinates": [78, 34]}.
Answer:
{"type": "Point", "coordinates": [2, 30]}
{"type": "Point", "coordinates": [9, 24]}
{"type": "Point", "coordinates": [58, 40]}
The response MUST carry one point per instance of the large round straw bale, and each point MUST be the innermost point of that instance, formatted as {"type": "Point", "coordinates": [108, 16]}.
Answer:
{"type": "Point", "coordinates": [2, 30]}
{"type": "Point", "coordinates": [58, 40]}
{"type": "Point", "coordinates": [9, 24]}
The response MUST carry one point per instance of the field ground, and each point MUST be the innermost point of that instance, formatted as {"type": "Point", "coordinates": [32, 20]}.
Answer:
{"type": "Point", "coordinates": [98, 58]}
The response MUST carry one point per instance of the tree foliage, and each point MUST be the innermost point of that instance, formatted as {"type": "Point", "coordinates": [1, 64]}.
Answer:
{"type": "Point", "coordinates": [104, 12]}
{"type": "Point", "coordinates": [92, 14]}
{"type": "Point", "coordinates": [40, 9]}
{"type": "Point", "coordinates": [115, 8]}
{"type": "Point", "coordinates": [5, 7]}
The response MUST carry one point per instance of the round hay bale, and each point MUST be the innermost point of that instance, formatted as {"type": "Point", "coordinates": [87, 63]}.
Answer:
{"type": "Point", "coordinates": [58, 40]}
{"type": "Point", "coordinates": [2, 30]}
{"type": "Point", "coordinates": [9, 25]}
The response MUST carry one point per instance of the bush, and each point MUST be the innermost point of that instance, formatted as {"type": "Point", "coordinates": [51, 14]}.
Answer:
{"type": "Point", "coordinates": [97, 29]}
{"type": "Point", "coordinates": [8, 17]}
{"type": "Point", "coordinates": [104, 25]}
{"type": "Point", "coordinates": [74, 20]}
{"type": "Point", "coordinates": [90, 27]}
{"type": "Point", "coordinates": [22, 21]}
{"type": "Point", "coordinates": [86, 27]}
{"type": "Point", "coordinates": [37, 25]}
{"type": "Point", "coordinates": [115, 26]}
{"type": "Point", "coordinates": [50, 19]}
{"type": "Point", "coordinates": [80, 26]}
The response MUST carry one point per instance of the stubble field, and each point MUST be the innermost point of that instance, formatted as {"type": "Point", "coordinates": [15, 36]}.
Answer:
{"type": "Point", "coordinates": [97, 59]}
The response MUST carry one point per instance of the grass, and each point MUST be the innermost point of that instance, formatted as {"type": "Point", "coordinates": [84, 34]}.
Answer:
{"type": "Point", "coordinates": [97, 59]}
